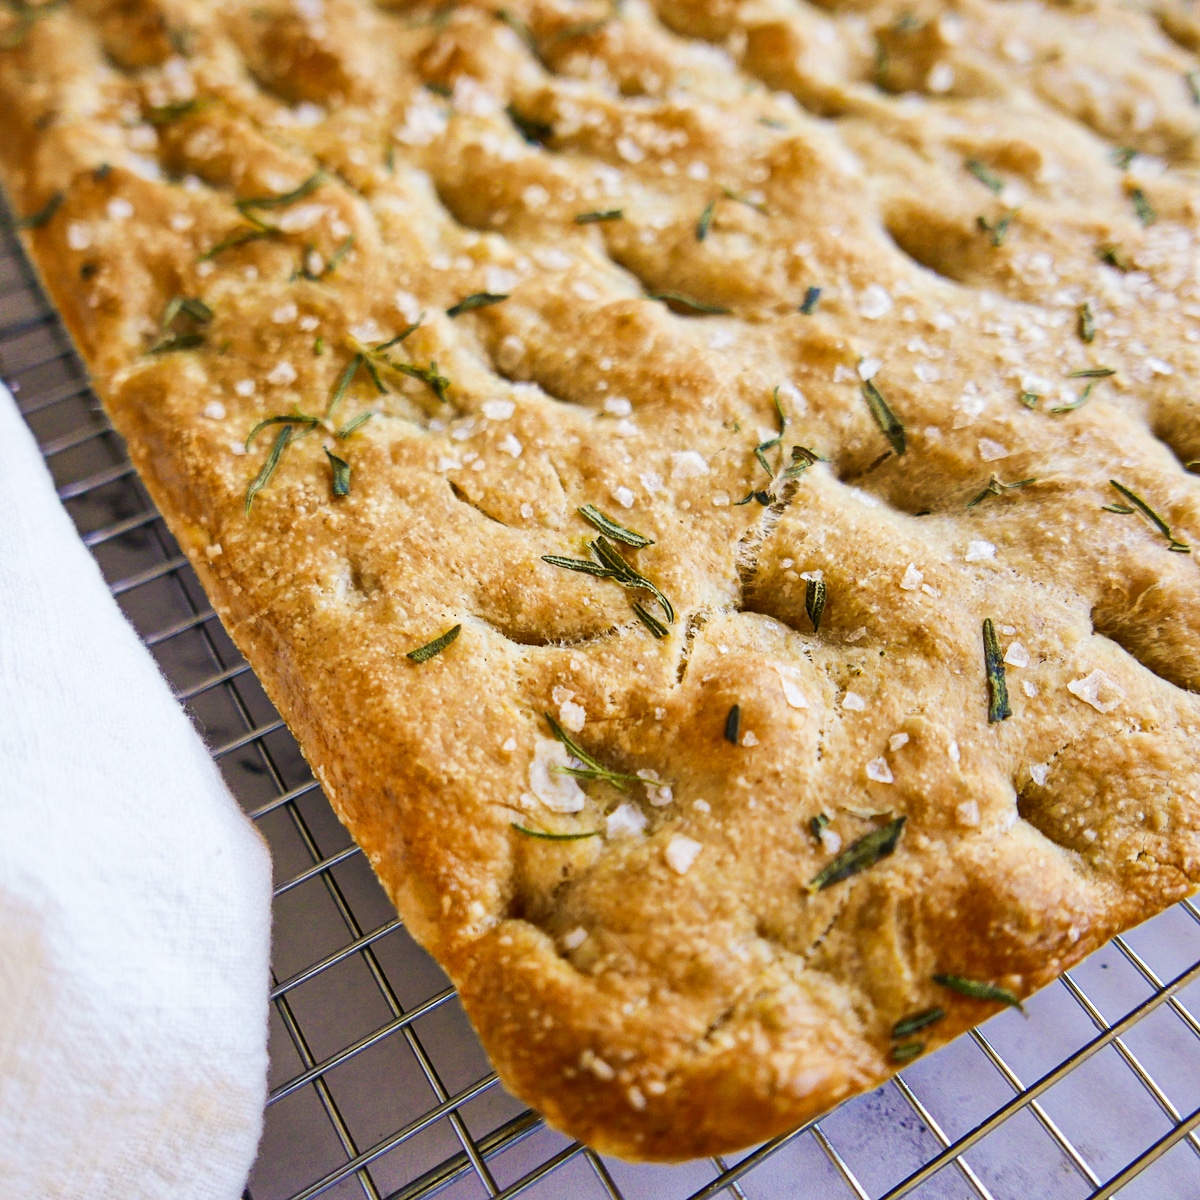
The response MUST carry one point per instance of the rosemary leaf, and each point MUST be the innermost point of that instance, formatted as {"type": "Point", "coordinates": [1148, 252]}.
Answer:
{"type": "Point", "coordinates": [1093, 373]}
{"type": "Point", "coordinates": [993, 661]}
{"type": "Point", "coordinates": [884, 417]}
{"type": "Point", "coordinates": [592, 769]}
{"type": "Point", "coordinates": [987, 177]}
{"type": "Point", "coordinates": [1029, 399]}
{"type": "Point", "coordinates": [352, 425]}
{"type": "Point", "coordinates": [626, 576]}
{"type": "Point", "coordinates": [437, 382]}
{"type": "Point", "coordinates": [556, 837]}
{"type": "Point", "coordinates": [335, 259]}
{"type": "Point", "coordinates": [1122, 156]}
{"type": "Point", "coordinates": [535, 133]}
{"type": "Point", "coordinates": [261, 480]}
{"type": "Point", "coordinates": [295, 420]}
{"type": "Point", "coordinates": [616, 531]}
{"type": "Point", "coordinates": [380, 347]}
{"type": "Point", "coordinates": [907, 1026]}
{"type": "Point", "coordinates": [177, 341]}
{"type": "Point", "coordinates": [476, 300]}
{"type": "Point", "coordinates": [999, 230]}
{"type": "Point", "coordinates": [44, 214]}
{"type": "Point", "coordinates": [1157, 521]}
{"type": "Point", "coordinates": [604, 214]}
{"type": "Point", "coordinates": [1142, 206]}
{"type": "Point", "coordinates": [858, 856]}
{"type": "Point", "coordinates": [372, 369]}
{"type": "Point", "coordinates": [165, 114]}
{"type": "Point", "coordinates": [814, 601]}
{"type": "Point", "coordinates": [997, 487]}
{"type": "Point", "coordinates": [705, 222]}
{"type": "Point", "coordinates": [341, 474]}
{"type": "Point", "coordinates": [817, 823]}
{"type": "Point", "coordinates": [978, 990]}
{"type": "Point", "coordinates": [907, 1051]}
{"type": "Point", "coordinates": [809, 304]}
{"type": "Point", "coordinates": [425, 653]}
{"type": "Point", "coordinates": [783, 421]}
{"type": "Point", "coordinates": [698, 306]}
{"type": "Point", "coordinates": [650, 621]}
{"type": "Point", "coordinates": [309, 186]}
{"type": "Point", "coordinates": [1114, 256]}
{"type": "Point", "coordinates": [741, 198]}
{"type": "Point", "coordinates": [343, 382]}
{"type": "Point", "coordinates": [583, 565]}
{"type": "Point", "coordinates": [733, 724]}
{"type": "Point", "coordinates": [1083, 398]}
{"type": "Point", "coordinates": [1085, 324]}
{"type": "Point", "coordinates": [241, 238]}
{"type": "Point", "coordinates": [1123, 509]}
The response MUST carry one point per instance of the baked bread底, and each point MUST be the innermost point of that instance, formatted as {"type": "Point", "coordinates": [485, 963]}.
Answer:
{"type": "Point", "coordinates": [886, 706]}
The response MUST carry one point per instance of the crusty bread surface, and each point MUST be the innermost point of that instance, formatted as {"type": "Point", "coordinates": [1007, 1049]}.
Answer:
{"type": "Point", "coordinates": [895, 715]}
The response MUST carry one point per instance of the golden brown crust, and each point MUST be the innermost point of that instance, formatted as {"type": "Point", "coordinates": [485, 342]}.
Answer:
{"type": "Point", "coordinates": [661, 997]}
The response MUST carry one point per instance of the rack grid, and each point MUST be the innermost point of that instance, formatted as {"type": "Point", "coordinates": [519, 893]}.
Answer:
{"type": "Point", "coordinates": [378, 1086]}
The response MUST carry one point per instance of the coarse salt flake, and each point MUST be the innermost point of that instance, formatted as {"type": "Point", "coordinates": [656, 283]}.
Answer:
{"type": "Point", "coordinates": [574, 939]}
{"type": "Point", "coordinates": [879, 771]}
{"type": "Point", "coordinates": [1039, 773]}
{"type": "Point", "coordinates": [874, 302]}
{"type": "Point", "coordinates": [510, 445]}
{"type": "Point", "coordinates": [79, 236]}
{"type": "Point", "coordinates": [682, 851]}
{"type": "Point", "coordinates": [989, 450]}
{"type": "Point", "coordinates": [1099, 690]}
{"type": "Point", "coordinates": [623, 496]}
{"type": "Point", "coordinates": [626, 820]}
{"type": "Point", "coordinates": [1029, 688]}
{"type": "Point", "coordinates": [897, 740]}
{"type": "Point", "coordinates": [1016, 655]}
{"type": "Point", "coordinates": [214, 410]}
{"type": "Point", "coordinates": [687, 464]}
{"type": "Point", "coordinates": [912, 579]}
{"type": "Point", "coordinates": [968, 813]}
{"type": "Point", "coordinates": [789, 680]}
{"type": "Point", "coordinates": [749, 738]}
{"type": "Point", "coordinates": [954, 752]}
{"type": "Point", "coordinates": [557, 791]}
{"type": "Point", "coordinates": [119, 209]}
{"type": "Point", "coordinates": [854, 702]}
{"type": "Point", "coordinates": [281, 373]}
{"type": "Point", "coordinates": [979, 551]}
{"type": "Point", "coordinates": [285, 313]}
{"type": "Point", "coordinates": [244, 387]}
{"type": "Point", "coordinates": [618, 406]}
{"type": "Point", "coordinates": [868, 368]}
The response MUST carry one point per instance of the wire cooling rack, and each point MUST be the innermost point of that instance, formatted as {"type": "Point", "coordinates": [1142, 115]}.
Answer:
{"type": "Point", "coordinates": [378, 1087]}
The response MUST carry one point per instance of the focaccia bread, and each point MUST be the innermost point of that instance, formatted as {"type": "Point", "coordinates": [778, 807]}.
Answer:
{"type": "Point", "coordinates": [876, 324]}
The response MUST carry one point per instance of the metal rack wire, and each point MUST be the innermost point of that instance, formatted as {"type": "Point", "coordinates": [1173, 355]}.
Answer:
{"type": "Point", "coordinates": [378, 1087]}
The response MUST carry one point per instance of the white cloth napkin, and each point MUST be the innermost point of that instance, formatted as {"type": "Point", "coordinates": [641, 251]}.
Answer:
{"type": "Point", "coordinates": [135, 898]}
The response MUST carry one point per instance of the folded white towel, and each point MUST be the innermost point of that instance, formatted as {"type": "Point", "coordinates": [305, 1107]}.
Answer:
{"type": "Point", "coordinates": [134, 896]}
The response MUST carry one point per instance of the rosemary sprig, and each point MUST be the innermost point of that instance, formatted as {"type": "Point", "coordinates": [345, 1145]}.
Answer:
{"type": "Point", "coordinates": [1161, 525]}
{"type": "Point", "coordinates": [298, 420]}
{"type": "Point", "coordinates": [1092, 373]}
{"type": "Point", "coordinates": [187, 339]}
{"type": "Point", "coordinates": [814, 601]}
{"type": "Point", "coordinates": [426, 652]}
{"type": "Point", "coordinates": [604, 214]}
{"type": "Point", "coordinates": [997, 487]}
{"type": "Point", "coordinates": [985, 175]}
{"type": "Point", "coordinates": [309, 186]}
{"type": "Point", "coordinates": [978, 990]}
{"type": "Point", "coordinates": [591, 769]}
{"type": "Point", "coordinates": [556, 837]}
{"type": "Point", "coordinates": [907, 1026]}
{"type": "Point", "coordinates": [584, 566]}
{"type": "Point", "coordinates": [733, 724]}
{"type": "Point", "coordinates": [811, 298]}
{"type": "Point", "coordinates": [858, 856]}
{"type": "Point", "coordinates": [999, 230]}
{"type": "Point", "coordinates": [705, 222]}
{"type": "Point", "coordinates": [268, 468]}
{"type": "Point", "coordinates": [36, 220]}
{"type": "Point", "coordinates": [1079, 402]}
{"type": "Point", "coordinates": [993, 660]}
{"type": "Point", "coordinates": [438, 383]}
{"type": "Point", "coordinates": [887, 421]}
{"type": "Point", "coordinates": [616, 531]}
{"type": "Point", "coordinates": [1085, 324]}
{"type": "Point", "coordinates": [651, 622]}
{"type": "Point", "coordinates": [686, 302]}
{"type": "Point", "coordinates": [1142, 206]}
{"type": "Point", "coordinates": [341, 473]}
{"type": "Point", "coordinates": [475, 300]}
{"type": "Point", "coordinates": [343, 382]}
{"type": "Point", "coordinates": [626, 576]}
{"type": "Point", "coordinates": [352, 425]}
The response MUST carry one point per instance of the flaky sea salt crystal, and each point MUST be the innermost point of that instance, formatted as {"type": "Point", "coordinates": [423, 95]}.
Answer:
{"type": "Point", "coordinates": [912, 579]}
{"type": "Point", "coordinates": [979, 551]}
{"type": "Point", "coordinates": [682, 851]}
{"type": "Point", "coordinates": [968, 813]}
{"type": "Point", "coordinates": [1098, 690]}
{"type": "Point", "coordinates": [687, 464]}
{"type": "Point", "coordinates": [557, 791]}
{"type": "Point", "coordinates": [1016, 655]}
{"type": "Point", "coordinates": [214, 410]}
{"type": "Point", "coordinates": [854, 702]}
{"type": "Point", "coordinates": [789, 680]}
{"type": "Point", "coordinates": [626, 820]}
{"type": "Point", "coordinates": [498, 410]}
{"type": "Point", "coordinates": [281, 373]}
{"type": "Point", "coordinates": [897, 740]}
{"type": "Point", "coordinates": [510, 445]}
{"type": "Point", "coordinates": [623, 496]}
{"type": "Point", "coordinates": [879, 771]}
{"type": "Point", "coordinates": [990, 451]}
{"type": "Point", "coordinates": [574, 939]}
{"type": "Point", "coordinates": [1039, 773]}
{"type": "Point", "coordinates": [874, 302]}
